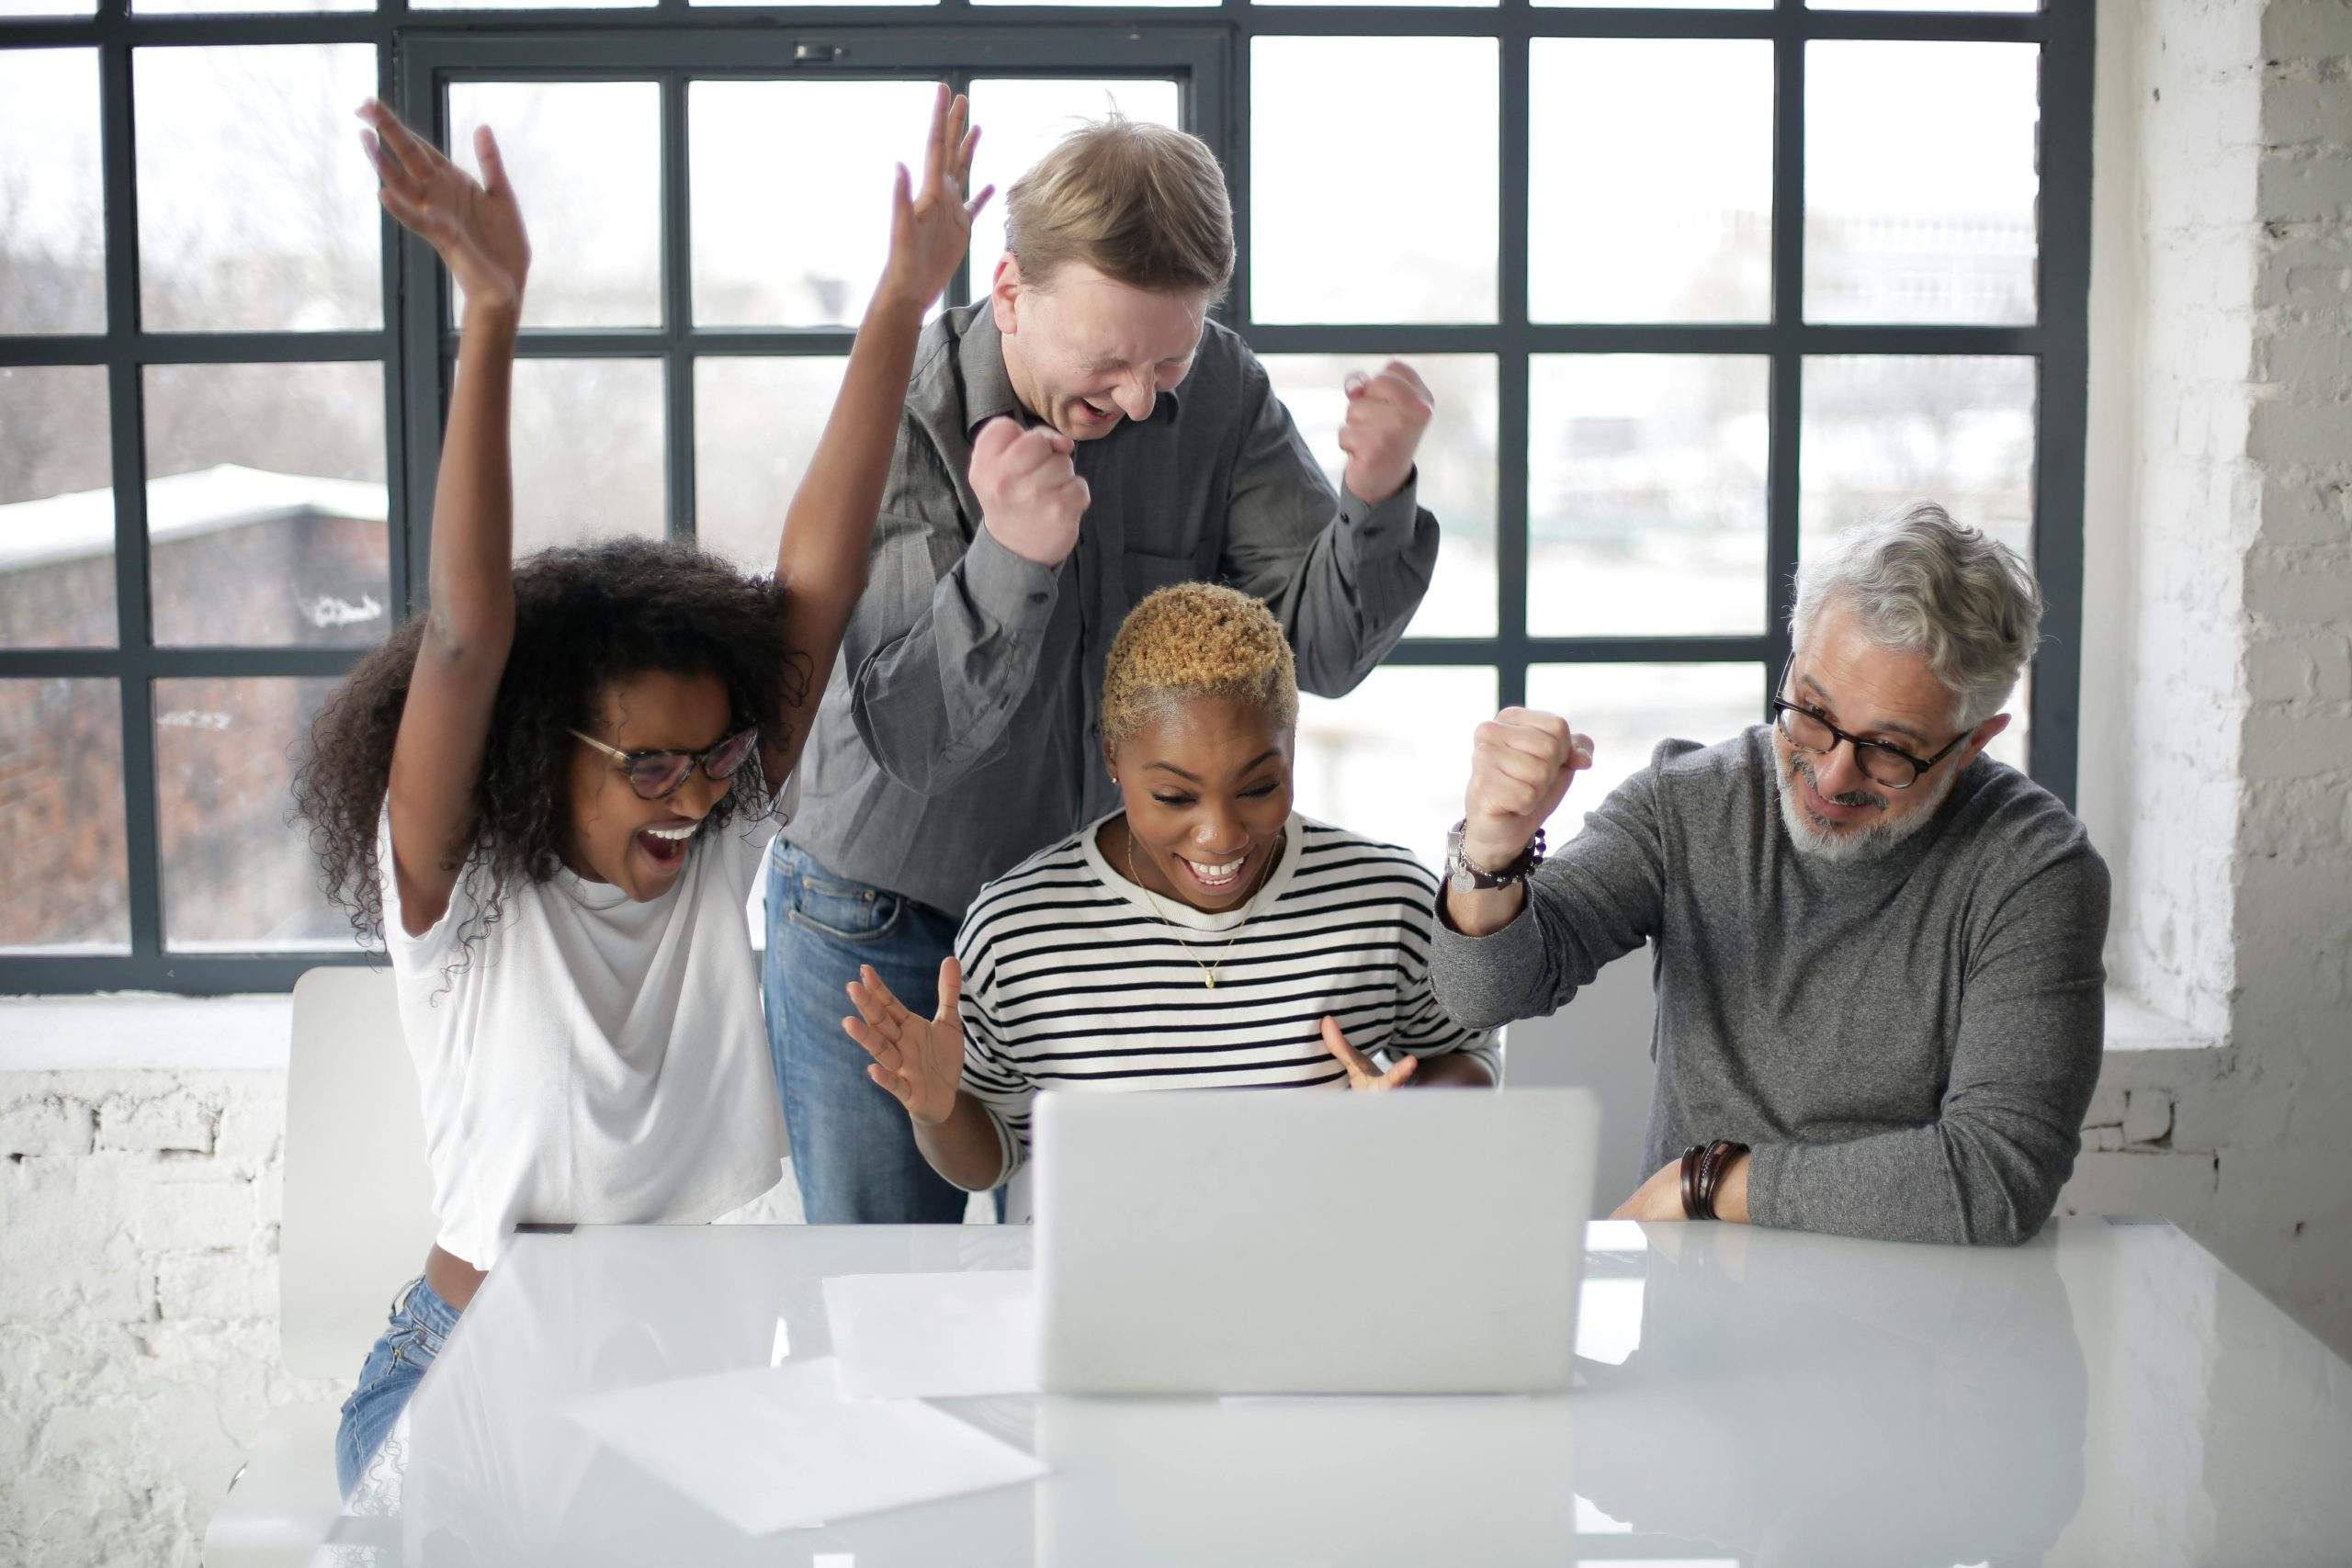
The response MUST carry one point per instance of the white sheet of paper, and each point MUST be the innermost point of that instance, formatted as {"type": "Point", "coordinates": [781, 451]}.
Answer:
{"type": "Point", "coordinates": [934, 1336]}
{"type": "Point", "coordinates": [774, 1450]}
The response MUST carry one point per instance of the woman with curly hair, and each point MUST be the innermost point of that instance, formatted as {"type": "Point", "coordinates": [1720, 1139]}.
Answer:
{"type": "Point", "coordinates": [548, 794]}
{"type": "Point", "coordinates": [1206, 935]}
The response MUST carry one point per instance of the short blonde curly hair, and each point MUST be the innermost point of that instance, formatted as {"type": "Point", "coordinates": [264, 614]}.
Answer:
{"type": "Point", "coordinates": [1196, 639]}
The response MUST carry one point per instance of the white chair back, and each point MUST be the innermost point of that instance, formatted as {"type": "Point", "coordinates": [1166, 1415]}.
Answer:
{"type": "Point", "coordinates": [358, 1215]}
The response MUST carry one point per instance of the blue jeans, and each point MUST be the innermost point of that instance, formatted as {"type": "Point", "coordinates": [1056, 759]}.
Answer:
{"type": "Point", "coordinates": [853, 1149]}
{"type": "Point", "coordinates": [420, 1324]}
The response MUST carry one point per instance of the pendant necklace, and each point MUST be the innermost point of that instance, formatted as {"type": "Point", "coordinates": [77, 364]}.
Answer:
{"type": "Point", "coordinates": [1208, 971]}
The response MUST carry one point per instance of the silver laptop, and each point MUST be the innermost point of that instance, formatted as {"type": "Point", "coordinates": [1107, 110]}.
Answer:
{"type": "Point", "coordinates": [1428, 1241]}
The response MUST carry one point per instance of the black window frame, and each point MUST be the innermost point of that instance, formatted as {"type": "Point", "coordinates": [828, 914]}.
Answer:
{"type": "Point", "coordinates": [418, 51]}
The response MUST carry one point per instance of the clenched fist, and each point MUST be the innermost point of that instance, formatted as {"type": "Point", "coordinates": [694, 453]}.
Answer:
{"type": "Point", "coordinates": [1386, 415]}
{"type": "Point", "coordinates": [1520, 765]}
{"type": "Point", "coordinates": [1030, 496]}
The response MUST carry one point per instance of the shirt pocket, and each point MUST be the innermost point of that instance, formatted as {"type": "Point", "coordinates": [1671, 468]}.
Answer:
{"type": "Point", "coordinates": [1147, 572]}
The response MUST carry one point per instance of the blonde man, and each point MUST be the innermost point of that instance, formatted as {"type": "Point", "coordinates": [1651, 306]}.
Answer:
{"type": "Point", "coordinates": [1083, 435]}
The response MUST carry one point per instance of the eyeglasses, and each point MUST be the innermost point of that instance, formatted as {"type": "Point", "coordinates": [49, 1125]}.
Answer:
{"type": "Point", "coordinates": [1881, 763]}
{"type": "Point", "coordinates": [658, 774]}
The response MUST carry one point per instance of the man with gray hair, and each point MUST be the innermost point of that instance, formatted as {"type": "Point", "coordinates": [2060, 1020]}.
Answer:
{"type": "Point", "coordinates": [1876, 950]}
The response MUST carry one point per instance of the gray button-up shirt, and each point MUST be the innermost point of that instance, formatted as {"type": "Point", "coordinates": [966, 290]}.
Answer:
{"type": "Point", "coordinates": [959, 732]}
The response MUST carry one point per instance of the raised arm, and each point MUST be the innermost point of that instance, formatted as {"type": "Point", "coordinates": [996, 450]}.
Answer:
{"type": "Point", "coordinates": [477, 229]}
{"type": "Point", "coordinates": [829, 529]}
{"type": "Point", "coordinates": [920, 1062]}
{"type": "Point", "coordinates": [1344, 574]}
{"type": "Point", "coordinates": [941, 661]}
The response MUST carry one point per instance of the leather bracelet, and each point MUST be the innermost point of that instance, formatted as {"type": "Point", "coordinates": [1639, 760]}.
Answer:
{"type": "Point", "coordinates": [1691, 1157]}
{"type": "Point", "coordinates": [1711, 1165]}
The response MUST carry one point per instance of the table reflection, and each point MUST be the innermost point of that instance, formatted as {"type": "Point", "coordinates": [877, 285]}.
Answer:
{"type": "Point", "coordinates": [2105, 1393]}
{"type": "Point", "coordinates": [1840, 1402]}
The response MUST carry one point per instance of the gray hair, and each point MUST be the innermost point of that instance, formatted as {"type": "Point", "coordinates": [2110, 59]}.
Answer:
{"type": "Point", "coordinates": [1923, 583]}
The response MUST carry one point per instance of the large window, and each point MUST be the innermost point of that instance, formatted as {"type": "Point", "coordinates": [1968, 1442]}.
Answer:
{"type": "Point", "coordinates": [1694, 287]}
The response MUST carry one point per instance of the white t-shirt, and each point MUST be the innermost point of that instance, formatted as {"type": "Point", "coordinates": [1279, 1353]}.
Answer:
{"type": "Point", "coordinates": [590, 1060]}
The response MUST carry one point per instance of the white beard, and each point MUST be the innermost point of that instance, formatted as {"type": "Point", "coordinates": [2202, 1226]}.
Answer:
{"type": "Point", "coordinates": [1852, 846]}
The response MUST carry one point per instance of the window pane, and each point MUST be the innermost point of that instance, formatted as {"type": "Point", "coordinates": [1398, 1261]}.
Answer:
{"type": "Point", "coordinates": [1021, 119]}
{"type": "Point", "coordinates": [1919, 182]}
{"type": "Point", "coordinates": [1458, 460]}
{"type": "Point", "coordinates": [266, 504]}
{"type": "Point", "coordinates": [1369, 202]}
{"type": "Point", "coordinates": [56, 508]}
{"type": "Point", "coordinates": [1645, 494]}
{"type": "Point", "coordinates": [756, 424]}
{"type": "Point", "coordinates": [1659, 5]}
{"type": "Point", "coordinates": [190, 8]}
{"type": "Point", "coordinates": [1672, 225]}
{"type": "Point", "coordinates": [523, 4]}
{"type": "Point", "coordinates": [47, 7]}
{"type": "Point", "coordinates": [586, 162]}
{"type": "Point", "coordinates": [52, 232]}
{"type": "Point", "coordinates": [256, 208]}
{"type": "Point", "coordinates": [1391, 758]}
{"type": "Point", "coordinates": [238, 874]}
{"type": "Point", "coordinates": [588, 451]}
{"type": "Point", "coordinates": [804, 250]}
{"type": "Point", "coordinates": [2015, 744]}
{"type": "Point", "coordinates": [1629, 708]}
{"type": "Point", "coordinates": [2016, 7]}
{"type": "Point", "coordinates": [61, 817]}
{"type": "Point", "coordinates": [1882, 430]}
{"type": "Point", "coordinates": [766, 2]}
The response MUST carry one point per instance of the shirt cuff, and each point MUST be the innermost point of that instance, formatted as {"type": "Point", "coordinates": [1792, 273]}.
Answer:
{"type": "Point", "coordinates": [1385, 529]}
{"type": "Point", "coordinates": [1472, 973]}
{"type": "Point", "coordinates": [1009, 588]}
{"type": "Point", "coordinates": [1764, 1164]}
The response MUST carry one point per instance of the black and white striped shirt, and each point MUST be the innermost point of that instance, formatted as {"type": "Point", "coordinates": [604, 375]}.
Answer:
{"type": "Point", "coordinates": [1072, 980]}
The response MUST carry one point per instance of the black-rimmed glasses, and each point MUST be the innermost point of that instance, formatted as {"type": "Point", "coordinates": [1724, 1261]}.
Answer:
{"type": "Point", "coordinates": [658, 774]}
{"type": "Point", "coordinates": [1881, 763]}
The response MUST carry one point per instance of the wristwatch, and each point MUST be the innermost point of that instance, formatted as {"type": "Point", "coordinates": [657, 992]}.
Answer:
{"type": "Point", "coordinates": [1464, 877]}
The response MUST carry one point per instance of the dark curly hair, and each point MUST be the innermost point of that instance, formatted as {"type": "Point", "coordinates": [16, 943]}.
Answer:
{"type": "Point", "coordinates": [584, 618]}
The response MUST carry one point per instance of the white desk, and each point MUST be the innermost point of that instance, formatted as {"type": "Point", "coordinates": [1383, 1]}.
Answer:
{"type": "Point", "coordinates": [2108, 1394]}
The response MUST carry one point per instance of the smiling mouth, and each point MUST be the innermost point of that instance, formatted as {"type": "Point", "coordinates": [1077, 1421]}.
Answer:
{"type": "Point", "coordinates": [667, 846]}
{"type": "Point", "coordinates": [1833, 810]}
{"type": "Point", "coordinates": [1218, 878]}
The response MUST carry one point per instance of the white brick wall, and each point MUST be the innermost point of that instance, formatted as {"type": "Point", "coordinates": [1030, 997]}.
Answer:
{"type": "Point", "coordinates": [138, 1307]}
{"type": "Point", "coordinates": [2220, 640]}
{"type": "Point", "coordinates": [138, 1269]}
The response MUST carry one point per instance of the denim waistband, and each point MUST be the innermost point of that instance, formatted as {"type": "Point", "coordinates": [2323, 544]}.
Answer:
{"type": "Point", "coordinates": [419, 1301]}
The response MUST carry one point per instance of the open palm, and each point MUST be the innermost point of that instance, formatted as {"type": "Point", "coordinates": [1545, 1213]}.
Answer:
{"type": "Point", "coordinates": [474, 225]}
{"type": "Point", "coordinates": [931, 223]}
{"type": "Point", "coordinates": [921, 1061]}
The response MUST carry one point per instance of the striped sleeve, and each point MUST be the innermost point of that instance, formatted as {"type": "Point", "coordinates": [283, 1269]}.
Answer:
{"type": "Point", "coordinates": [990, 1076]}
{"type": "Point", "coordinates": [1422, 1028]}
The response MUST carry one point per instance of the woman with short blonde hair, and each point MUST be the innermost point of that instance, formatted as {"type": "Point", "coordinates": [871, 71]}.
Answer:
{"type": "Point", "coordinates": [1204, 935]}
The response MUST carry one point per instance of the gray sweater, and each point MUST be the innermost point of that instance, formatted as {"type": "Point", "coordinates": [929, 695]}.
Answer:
{"type": "Point", "coordinates": [1908, 1043]}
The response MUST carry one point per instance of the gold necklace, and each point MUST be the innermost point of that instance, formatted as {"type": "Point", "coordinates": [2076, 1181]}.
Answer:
{"type": "Point", "coordinates": [1208, 971]}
